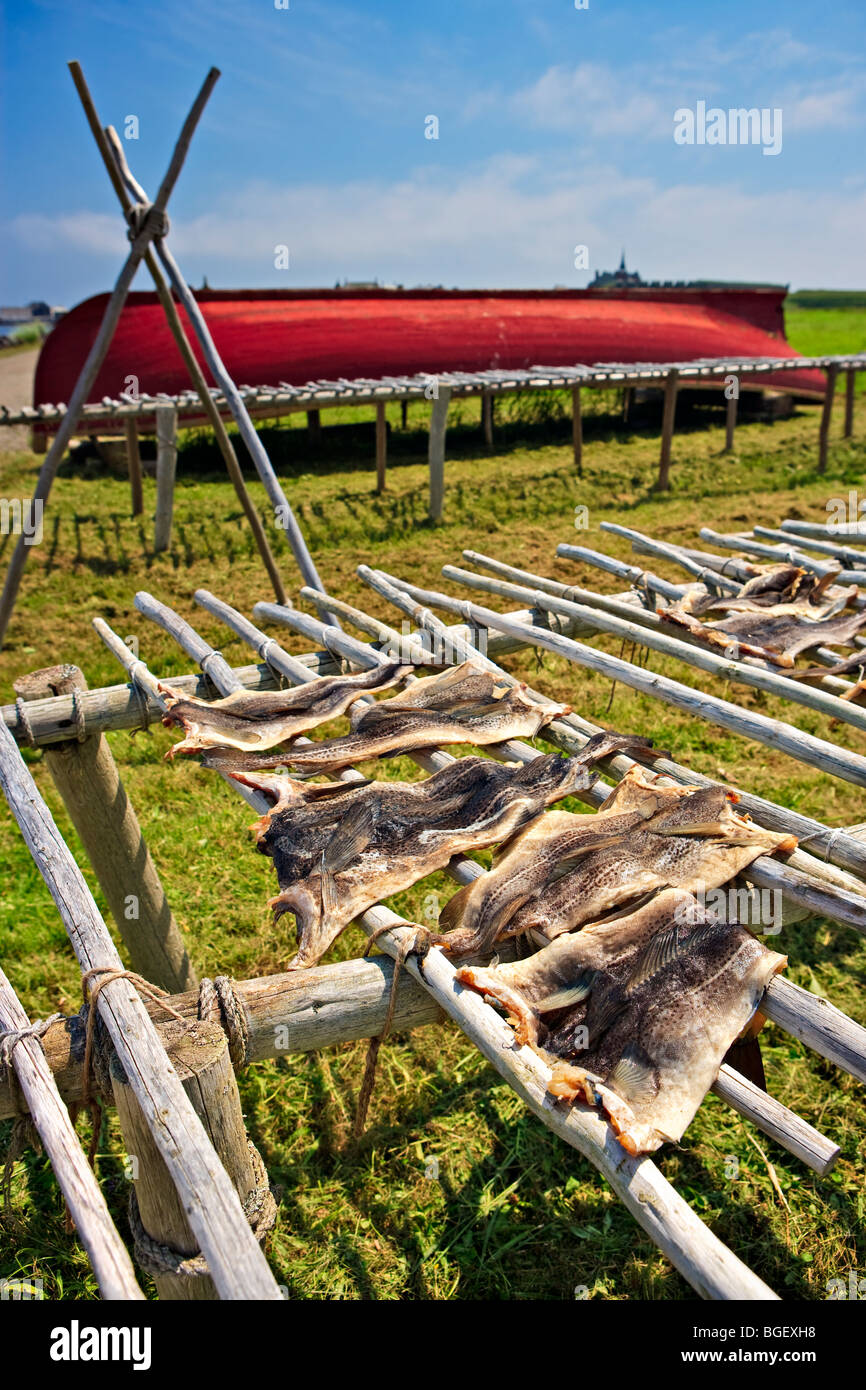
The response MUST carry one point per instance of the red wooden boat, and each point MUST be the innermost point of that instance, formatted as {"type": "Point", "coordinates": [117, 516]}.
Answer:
{"type": "Point", "coordinates": [270, 336]}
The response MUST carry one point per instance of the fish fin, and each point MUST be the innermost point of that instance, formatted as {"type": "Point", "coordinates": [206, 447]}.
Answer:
{"type": "Point", "coordinates": [661, 951]}
{"type": "Point", "coordinates": [568, 995]}
{"type": "Point", "coordinates": [452, 912]}
{"type": "Point", "coordinates": [350, 839]}
{"type": "Point", "coordinates": [634, 1078]}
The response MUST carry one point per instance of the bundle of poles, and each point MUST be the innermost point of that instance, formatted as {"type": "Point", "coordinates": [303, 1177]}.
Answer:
{"type": "Point", "coordinates": [329, 1004]}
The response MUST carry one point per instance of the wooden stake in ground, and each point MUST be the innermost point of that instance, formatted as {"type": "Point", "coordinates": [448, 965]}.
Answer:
{"type": "Point", "coordinates": [577, 430]}
{"type": "Point", "coordinates": [436, 454]}
{"type": "Point", "coordinates": [850, 384]}
{"type": "Point", "coordinates": [730, 423]}
{"type": "Point", "coordinates": [108, 1254]}
{"type": "Point", "coordinates": [668, 414]}
{"type": "Point", "coordinates": [86, 775]}
{"type": "Point", "coordinates": [133, 456]}
{"type": "Point", "coordinates": [826, 414]}
{"type": "Point", "coordinates": [381, 446]}
{"type": "Point", "coordinates": [152, 226]}
{"type": "Point", "coordinates": [487, 417]}
{"type": "Point", "coordinates": [166, 466]}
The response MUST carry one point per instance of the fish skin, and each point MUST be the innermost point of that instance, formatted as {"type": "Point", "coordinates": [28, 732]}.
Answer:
{"type": "Point", "coordinates": [659, 1020]}
{"type": "Point", "coordinates": [414, 828]}
{"type": "Point", "coordinates": [460, 712]}
{"type": "Point", "coordinates": [666, 851]}
{"type": "Point", "coordinates": [477, 915]}
{"type": "Point", "coordinates": [261, 719]}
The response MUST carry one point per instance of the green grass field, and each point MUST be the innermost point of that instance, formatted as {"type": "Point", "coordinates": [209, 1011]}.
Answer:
{"type": "Point", "coordinates": [513, 1214]}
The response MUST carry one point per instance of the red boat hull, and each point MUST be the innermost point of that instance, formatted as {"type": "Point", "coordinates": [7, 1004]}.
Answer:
{"type": "Point", "coordinates": [266, 337]}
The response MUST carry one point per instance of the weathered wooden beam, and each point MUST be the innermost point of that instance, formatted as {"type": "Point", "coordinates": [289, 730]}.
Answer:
{"type": "Point", "coordinates": [436, 453]}
{"type": "Point", "coordinates": [87, 1207]}
{"type": "Point", "coordinates": [212, 1206]}
{"type": "Point", "coordinates": [314, 428]}
{"type": "Point", "coordinates": [86, 775]}
{"type": "Point", "coordinates": [328, 1005]}
{"type": "Point", "coordinates": [166, 466]}
{"type": "Point", "coordinates": [133, 458]}
{"type": "Point", "coordinates": [200, 1056]}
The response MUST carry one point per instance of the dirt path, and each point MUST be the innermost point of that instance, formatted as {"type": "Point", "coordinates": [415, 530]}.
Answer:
{"type": "Point", "coordinates": [16, 389]}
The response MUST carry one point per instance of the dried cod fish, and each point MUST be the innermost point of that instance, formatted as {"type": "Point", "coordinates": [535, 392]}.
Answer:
{"type": "Point", "coordinates": [259, 719]}
{"type": "Point", "coordinates": [465, 705]}
{"type": "Point", "coordinates": [636, 1015]}
{"type": "Point", "coordinates": [341, 848]}
{"type": "Point", "coordinates": [775, 637]}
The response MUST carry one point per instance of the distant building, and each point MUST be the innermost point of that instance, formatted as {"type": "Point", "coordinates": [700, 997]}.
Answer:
{"type": "Point", "coordinates": [37, 311]}
{"type": "Point", "coordinates": [619, 279]}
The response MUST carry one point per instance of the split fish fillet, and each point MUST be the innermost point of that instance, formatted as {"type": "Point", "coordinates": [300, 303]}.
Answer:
{"type": "Point", "coordinates": [778, 638]}
{"type": "Point", "coordinates": [636, 1015]}
{"type": "Point", "coordinates": [783, 588]}
{"type": "Point", "coordinates": [259, 719]}
{"type": "Point", "coordinates": [568, 869]}
{"type": "Point", "coordinates": [465, 705]}
{"type": "Point", "coordinates": [339, 849]}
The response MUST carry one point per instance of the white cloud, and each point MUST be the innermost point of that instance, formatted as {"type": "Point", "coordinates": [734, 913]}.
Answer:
{"type": "Point", "coordinates": [510, 222]}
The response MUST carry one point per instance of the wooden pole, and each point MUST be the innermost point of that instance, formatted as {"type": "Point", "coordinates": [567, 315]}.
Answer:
{"type": "Point", "coordinates": [577, 430]}
{"type": "Point", "coordinates": [328, 1005]}
{"type": "Point", "coordinates": [314, 428]}
{"type": "Point", "coordinates": [826, 413]}
{"type": "Point", "coordinates": [166, 466]}
{"type": "Point", "coordinates": [668, 415]}
{"type": "Point", "coordinates": [487, 417]}
{"type": "Point", "coordinates": [436, 454]}
{"type": "Point", "coordinates": [381, 446]}
{"type": "Point", "coordinates": [850, 382]}
{"type": "Point", "coordinates": [214, 1212]}
{"type": "Point", "coordinates": [152, 227]}
{"type": "Point", "coordinates": [730, 423]}
{"type": "Point", "coordinates": [404, 414]}
{"type": "Point", "coordinates": [199, 1053]}
{"type": "Point", "coordinates": [133, 455]}
{"type": "Point", "coordinates": [114, 159]}
{"type": "Point", "coordinates": [87, 778]}
{"type": "Point", "coordinates": [108, 1255]}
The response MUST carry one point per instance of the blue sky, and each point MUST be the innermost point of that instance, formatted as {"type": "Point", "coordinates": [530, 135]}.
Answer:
{"type": "Point", "coordinates": [555, 130]}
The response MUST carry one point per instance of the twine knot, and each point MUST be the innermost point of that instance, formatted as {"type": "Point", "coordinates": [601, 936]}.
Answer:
{"type": "Point", "coordinates": [145, 217]}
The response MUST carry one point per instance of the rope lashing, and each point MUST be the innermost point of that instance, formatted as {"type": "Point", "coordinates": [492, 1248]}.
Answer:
{"type": "Point", "coordinates": [109, 974]}
{"type": "Point", "coordinates": [142, 696]}
{"type": "Point", "coordinates": [219, 1001]}
{"type": "Point", "coordinates": [10, 1039]}
{"type": "Point", "coordinates": [24, 721]}
{"type": "Point", "coordinates": [144, 216]}
{"type": "Point", "coordinates": [154, 1257]}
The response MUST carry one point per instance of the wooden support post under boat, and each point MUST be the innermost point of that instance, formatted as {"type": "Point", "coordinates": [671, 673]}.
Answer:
{"type": "Point", "coordinates": [404, 414]}
{"type": "Point", "coordinates": [627, 402]}
{"type": "Point", "coordinates": [314, 427]}
{"type": "Point", "coordinates": [577, 430]}
{"type": "Point", "coordinates": [97, 1232]}
{"type": "Point", "coordinates": [381, 446]}
{"type": "Point", "coordinates": [133, 456]}
{"type": "Point", "coordinates": [110, 319]}
{"type": "Point", "coordinates": [199, 1053]}
{"type": "Point", "coordinates": [850, 383]}
{"type": "Point", "coordinates": [436, 451]}
{"type": "Point", "coordinates": [166, 467]}
{"type": "Point", "coordinates": [212, 1207]}
{"type": "Point", "coordinates": [826, 414]}
{"type": "Point", "coordinates": [730, 423]}
{"type": "Point", "coordinates": [87, 779]}
{"type": "Point", "coordinates": [487, 417]}
{"type": "Point", "coordinates": [668, 415]}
